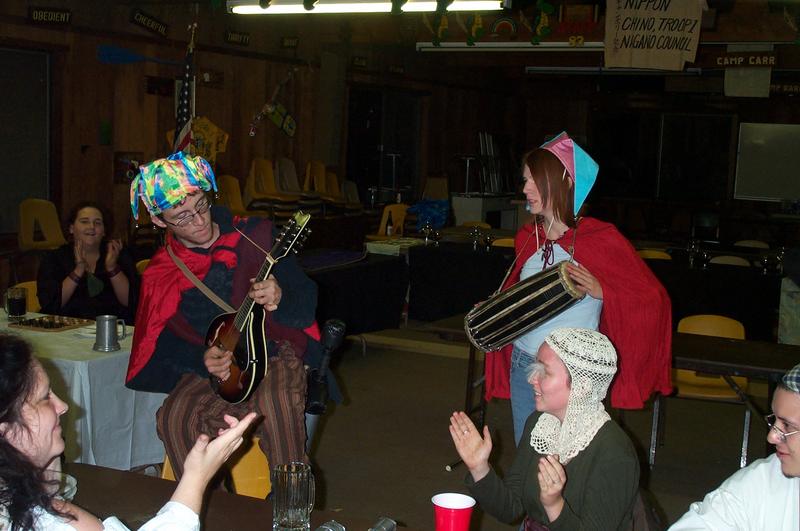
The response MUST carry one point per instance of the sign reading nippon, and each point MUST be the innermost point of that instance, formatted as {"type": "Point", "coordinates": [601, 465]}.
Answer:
{"type": "Point", "coordinates": [46, 15]}
{"type": "Point", "coordinates": [660, 34]}
{"type": "Point", "coordinates": [140, 18]}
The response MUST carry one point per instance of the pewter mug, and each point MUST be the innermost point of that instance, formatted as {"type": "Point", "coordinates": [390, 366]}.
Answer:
{"type": "Point", "coordinates": [292, 497]}
{"type": "Point", "coordinates": [107, 335]}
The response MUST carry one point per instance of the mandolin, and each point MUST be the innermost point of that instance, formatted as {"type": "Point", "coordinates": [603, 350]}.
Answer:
{"type": "Point", "coordinates": [242, 332]}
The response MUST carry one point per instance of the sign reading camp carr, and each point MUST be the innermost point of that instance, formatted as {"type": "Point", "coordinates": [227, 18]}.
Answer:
{"type": "Point", "coordinates": [148, 22]}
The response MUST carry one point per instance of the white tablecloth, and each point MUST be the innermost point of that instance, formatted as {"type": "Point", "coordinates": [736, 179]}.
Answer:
{"type": "Point", "coordinates": [107, 424]}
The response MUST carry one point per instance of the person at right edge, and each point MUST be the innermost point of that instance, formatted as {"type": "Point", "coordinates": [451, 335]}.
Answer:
{"type": "Point", "coordinates": [624, 300]}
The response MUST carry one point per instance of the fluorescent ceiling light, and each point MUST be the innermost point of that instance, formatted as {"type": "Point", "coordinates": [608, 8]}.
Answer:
{"type": "Point", "coordinates": [458, 5]}
{"type": "Point", "coordinates": [510, 46]}
{"type": "Point", "coordinates": [278, 7]}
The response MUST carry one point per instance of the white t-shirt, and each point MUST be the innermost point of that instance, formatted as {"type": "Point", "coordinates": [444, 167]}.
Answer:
{"type": "Point", "coordinates": [758, 496]}
{"type": "Point", "coordinates": [173, 516]}
{"type": "Point", "coordinates": [584, 314]}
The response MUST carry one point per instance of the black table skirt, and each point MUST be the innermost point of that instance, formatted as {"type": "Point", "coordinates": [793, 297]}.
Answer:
{"type": "Point", "coordinates": [452, 278]}
{"type": "Point", "coordinates": [367, 295]}
{"type": "Point", "coordinates": [743, 293]}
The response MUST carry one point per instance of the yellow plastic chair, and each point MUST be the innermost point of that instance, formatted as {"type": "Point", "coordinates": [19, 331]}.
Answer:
{"type": "Point", "coordinates": [336, 190]}
{"type": "Point", "coordinates": [398, 212]}
{"type": "Point", "coordinates": [756, 244]}
{"type": "Point", "coordinates": [698, 386]}
{"type": "Point", "coordinates": [43, 213]}
{"type": "Point", "coordinates": [141, 265]}
{"type": "Point", "coordinates": [730, 260]}
{"type": "Point", "coordinates": [436, 188]}
{"type": "Point", "coordinates": [31, 300]}
{"type": "Point", "coordinates": [230, 196]}
{"type": "Point", "coordinates": [653, 254]}
{"type": "Point", "coordinates": [503, 242]}
{"type": "Point", "coordinates": [260, 186]}
{"type": "Point", "coordinates": [249, 469]}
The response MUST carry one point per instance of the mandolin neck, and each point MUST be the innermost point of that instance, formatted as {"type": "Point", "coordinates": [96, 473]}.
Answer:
{"type": "Point", "coordinates": [247, 304]}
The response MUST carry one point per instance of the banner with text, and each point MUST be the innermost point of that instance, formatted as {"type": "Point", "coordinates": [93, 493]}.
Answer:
{"type": "Point", "coordinates": [659, 34]}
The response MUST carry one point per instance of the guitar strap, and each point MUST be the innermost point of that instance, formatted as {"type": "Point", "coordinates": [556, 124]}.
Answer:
{"type": "Point", "coordinates": [216, 299]}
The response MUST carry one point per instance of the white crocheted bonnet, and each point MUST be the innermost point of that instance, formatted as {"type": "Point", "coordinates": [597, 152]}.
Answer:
{"type": "Point", "coordinates": [591, 361]}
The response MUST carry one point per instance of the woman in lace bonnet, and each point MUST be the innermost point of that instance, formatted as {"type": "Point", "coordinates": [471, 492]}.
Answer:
{"type": "Point", "coordinates": [575, 468]}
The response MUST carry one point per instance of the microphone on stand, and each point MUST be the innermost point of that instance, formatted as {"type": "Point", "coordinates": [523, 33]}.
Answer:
{"type": "Point", "coordinates": [332, 337]}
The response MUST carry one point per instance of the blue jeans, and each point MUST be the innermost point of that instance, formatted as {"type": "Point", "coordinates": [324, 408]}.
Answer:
{"type": "Point", "coordinates": [522, 401]}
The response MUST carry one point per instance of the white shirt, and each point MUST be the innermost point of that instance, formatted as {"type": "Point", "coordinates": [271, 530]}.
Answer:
{"type": "Point", "coordinates": [584, 314]}
{"type": "Point", "coordinates": [173, 516]}
{"type": "Point", "coordinates": [756, 497]}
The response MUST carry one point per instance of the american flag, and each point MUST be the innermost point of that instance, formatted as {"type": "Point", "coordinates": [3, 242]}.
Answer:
{"type": "Point", "coordinates": [183, 124]}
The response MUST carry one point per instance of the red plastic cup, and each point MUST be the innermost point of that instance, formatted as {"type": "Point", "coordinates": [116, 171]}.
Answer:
{"type": "Point", "coordinates": [452, 511]}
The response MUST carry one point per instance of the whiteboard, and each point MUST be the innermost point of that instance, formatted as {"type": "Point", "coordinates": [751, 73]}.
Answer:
{"type": "Point", "coordinates": [768, 162]}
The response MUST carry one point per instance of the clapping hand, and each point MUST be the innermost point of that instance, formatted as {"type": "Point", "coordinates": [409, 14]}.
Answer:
{"type": "Point", "coordinates": [80, 256]}
{"type": "Point", "coordinates": [206, 456]}
{"type": "Point", "coordinates": [112, 254]}
{"type": "Point", "coordinates": [552, 478]}
{"type": "Point", "coordinates": [473, 449]}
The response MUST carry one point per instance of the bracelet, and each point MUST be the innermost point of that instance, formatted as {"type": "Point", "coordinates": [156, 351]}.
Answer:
{"type": "Point", "coordinates": [114, 272]}
{"type": "Point", "coordinates": [75, 278]}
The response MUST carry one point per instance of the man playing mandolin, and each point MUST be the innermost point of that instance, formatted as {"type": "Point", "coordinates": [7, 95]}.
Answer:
{"type": "Point", "coordinates": [206, 340]}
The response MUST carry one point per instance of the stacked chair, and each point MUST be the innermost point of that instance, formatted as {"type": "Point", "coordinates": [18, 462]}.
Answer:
{"type": "Point", "coordinates": [287, 183]}
{"type": "Point", "coordinates": [230, 196]}
{"type": "Point", "coordinates": [260, 192]}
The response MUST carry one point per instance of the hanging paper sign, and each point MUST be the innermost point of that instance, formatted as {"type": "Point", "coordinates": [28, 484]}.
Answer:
{"type": "Point", "coordinates": [237, 37]}
{"type": "Point", "coordinates": [659, 34]}
{"type": "Point", "coordinates": [49, 16]}
{"type": "Point", "coordinates": [148, 22]}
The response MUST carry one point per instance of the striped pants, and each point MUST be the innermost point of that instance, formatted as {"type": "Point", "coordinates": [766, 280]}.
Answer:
{"type": "Point", "coordinates": [193, 408]}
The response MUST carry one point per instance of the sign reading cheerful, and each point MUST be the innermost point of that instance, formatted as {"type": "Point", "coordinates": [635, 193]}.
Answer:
{"type": "Point", "coordinates": [140, 18]}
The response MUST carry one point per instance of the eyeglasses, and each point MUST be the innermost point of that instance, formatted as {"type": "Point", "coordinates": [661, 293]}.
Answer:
{"type": "Point", "coordinates": [781, 434]}
{"type": "Point", "coordinates": [199, 209]}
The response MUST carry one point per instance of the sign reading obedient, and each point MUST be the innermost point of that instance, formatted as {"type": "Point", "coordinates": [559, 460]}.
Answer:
{"type": "Point", "coordinates": [49, 16]}
{"type": "Point", "coordinates": [659, 34]}
{"type": "Point", "coordinates": [148, 22]}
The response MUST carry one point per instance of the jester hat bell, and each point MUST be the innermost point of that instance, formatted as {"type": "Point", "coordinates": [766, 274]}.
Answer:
{"type": "Point", "coordinates": [582, 169]}
{"type": "Point", "coordinates": [165, 183]}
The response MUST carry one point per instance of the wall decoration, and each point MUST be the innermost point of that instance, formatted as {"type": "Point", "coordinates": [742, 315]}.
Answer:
{"type": "Point", "coordinates": [126, 166]}
{"type": "Point", "coordinates": [504, 27]}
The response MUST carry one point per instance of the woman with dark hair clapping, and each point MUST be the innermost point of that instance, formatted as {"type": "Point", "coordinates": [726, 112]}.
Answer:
{"type": "Point", "coordinates": [31, 443]}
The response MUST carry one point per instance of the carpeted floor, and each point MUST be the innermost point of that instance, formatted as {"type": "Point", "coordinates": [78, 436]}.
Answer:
{"type": "Point", "coordinates": [383, 452]}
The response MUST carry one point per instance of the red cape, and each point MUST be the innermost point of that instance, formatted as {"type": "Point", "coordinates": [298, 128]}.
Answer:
{"type": "Point", "coordinates": [636, 316]}
{"type": "Point", "coordinates": [157, 303]}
